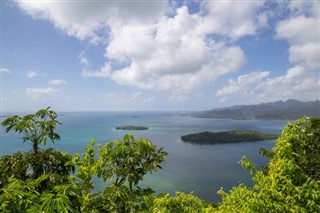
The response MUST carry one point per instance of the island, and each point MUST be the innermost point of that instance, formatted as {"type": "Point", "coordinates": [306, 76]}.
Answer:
{"type": "Point", "coordinates": [279, 110]}
{"type": "Point", "coordinates": [131, 127]}
{"type": "Point", "coordinates": [232, 136]}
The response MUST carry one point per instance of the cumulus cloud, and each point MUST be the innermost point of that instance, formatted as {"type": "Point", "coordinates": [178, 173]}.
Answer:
{"type": "Point", "coordinates": [309, 8]}
{"type": "Point", "coordinates": [41, 93]}
{"type": "Point", "coordinates": [243, 84]}
{"type": "Point", "coordinates": [104, 72]}
{"type": "Point", "coordinates": [235, 19]}
{"type": "Point", "coordinates": [57, 81]}
{"type": "Point", "coordinates": [163, 47]}
{"type": "Point", "coordinates": [294, 29]}
{"type": "Point", "coordinates": [88, 20]}
{"type": "Point", "coordinates": [301, 31]}
{"type": "Point", "coordinates": [307, 55]}
{"type": "Point", "coordinates": [170, 48]}
{"type": "Point", "coordinates": [87, 72]}
{"type": "Point", "coordinates": [4, 70]}
{"type": "Point", "coordinates": [256, 87]}
{"type": "Point", "coordinates": [301, 81]}
{"type": "Point", "coordinates": [174, 50]}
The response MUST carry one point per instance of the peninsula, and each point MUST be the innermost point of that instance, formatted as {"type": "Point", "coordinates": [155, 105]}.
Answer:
{"type": "Point", "coordinates": [232, 136]}
{"type": "Point", "coordinates": [131, 127]}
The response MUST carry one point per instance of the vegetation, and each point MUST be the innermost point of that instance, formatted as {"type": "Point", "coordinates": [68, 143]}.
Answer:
{"type": "Point", "coordinates": [232, 136]}
{"type": "Point", "coordinates": [131, 127]}
{"type": "Point", "coordinates": [289, 110]}
{"type": "Point", "coordinates": [46, 180]}
{"type": "Point", "coordinates": [290, 183]}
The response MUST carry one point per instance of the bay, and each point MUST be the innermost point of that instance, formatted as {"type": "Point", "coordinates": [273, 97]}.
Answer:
{"type": "Point", "coordinates": [201, 169]}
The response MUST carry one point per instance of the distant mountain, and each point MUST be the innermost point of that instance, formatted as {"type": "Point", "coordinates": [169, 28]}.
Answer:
{"type": "Point", "coordinates": [290, 109]}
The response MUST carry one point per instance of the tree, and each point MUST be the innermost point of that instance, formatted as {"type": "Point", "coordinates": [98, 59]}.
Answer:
{"type": "Point", "coordinates": [291, 181]}
{"type": "Point", "coordinates": [123, 164]}
{"type": "Point", "coordinates": [181, 202]}
{"type": "Point", "coordinates": [36, 128]}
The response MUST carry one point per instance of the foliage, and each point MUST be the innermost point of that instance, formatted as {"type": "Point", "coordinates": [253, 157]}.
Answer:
{"type": "Point", "coordinates": [23, 165]}
{"type": "Point", "coordinates": [42, 180]}
{"type": "Point", "coordinates": [36, 128]}
{"type": "Point", "coordinates": [129, 160]}
{"type": "Point", "coordinates": [291, 183]}
{"type": "Point", "coordinates": [183, 203]}
{"type": "Point", "coordinates": [123, 163]}
{"type": "Point", "coordinates": [24, 196]}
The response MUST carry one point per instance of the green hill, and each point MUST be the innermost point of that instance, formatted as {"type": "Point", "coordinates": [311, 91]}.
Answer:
{"type": "Point", "coordinates": [280, 110]}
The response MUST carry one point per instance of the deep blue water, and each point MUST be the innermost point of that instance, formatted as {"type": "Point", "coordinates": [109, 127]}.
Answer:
{"type": "Point", "coordinates": [201, 169]}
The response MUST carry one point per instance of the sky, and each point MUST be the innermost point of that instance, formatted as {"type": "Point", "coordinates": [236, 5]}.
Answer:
{"type": "Point", "coordinates": [157, 55]}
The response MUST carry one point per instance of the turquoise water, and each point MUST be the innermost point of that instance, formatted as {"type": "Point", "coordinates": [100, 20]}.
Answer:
{"type": "Point", "coordinates": [201, 169]}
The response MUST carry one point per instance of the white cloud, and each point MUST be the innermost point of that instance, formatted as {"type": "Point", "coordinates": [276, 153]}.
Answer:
{"type": "Point", "coordinates": [41, 93]}
{"type": "Point", "coordinates": [174, 50]}
{"type": "Point", "coordinates": [57, 81]}
{"type": "Point", "coordinates": [243, 88]}
{"type": "Point", "coordinates": [104, 72]}
{"type": "Point", "coordinates": [243, 84]}
{"type": "Point", "coordinates": [310, 8]}
{"type": "Point", "coordinates": [296, 84]}
{"type": "Point", "coordinates": [162, 47]}
{"type": "Point", "coordinates": [5, 70]}
{"type": "Point", "coordinates": [84, 61]}
{"type": "Point", "coordinates": [301, 30]}
{"type": "Point", "coordinates": [294, 30]}
{"type": "Point", "coordinates": [255, 87]}
{"type": "Point", "coordinates": [307, 55]}
{"type": "Point", "coordinates": [86, 19]}
{"type": "Point", "coordinates": [150, 45]}
{"type": "Point", "coordinates": [31, 73]}
{"type": "Point", "coordinates": [235, 19]}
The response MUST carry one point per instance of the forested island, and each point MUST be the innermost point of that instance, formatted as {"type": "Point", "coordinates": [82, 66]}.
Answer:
{"type": "Point", "coordinates": [131, 127]}
{"type": "Point", "coordinates": [232, 136]}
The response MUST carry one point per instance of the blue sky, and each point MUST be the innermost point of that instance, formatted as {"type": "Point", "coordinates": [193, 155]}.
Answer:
{"type": "Point", "coordinates": [157, 55]}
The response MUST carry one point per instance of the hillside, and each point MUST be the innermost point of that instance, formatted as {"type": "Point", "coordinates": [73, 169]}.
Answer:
{"type": "Point", "coordinates": [290, 109]}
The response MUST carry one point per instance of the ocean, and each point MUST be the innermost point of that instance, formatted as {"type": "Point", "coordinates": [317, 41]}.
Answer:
{"type": "Point", "coordinates": [200, 169]}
